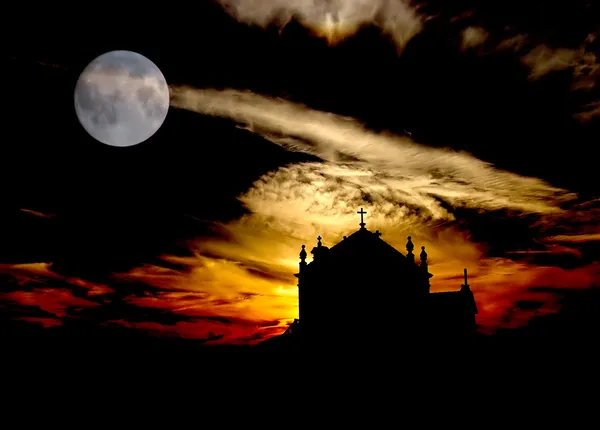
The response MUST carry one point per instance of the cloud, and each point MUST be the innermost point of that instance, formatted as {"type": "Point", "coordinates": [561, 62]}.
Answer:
{"type": "Point", "coordinates": [543, 59]}
{"type": "Point", "coordinates": [217, 290]}
{"type": "Point", "coordinates": [589, 112]}
{"type": "Point", "coordinates": [36, 288]}
{"type": "Point", "coordinates": [44, 322]}
{"type": "Point", "coordinates": [384, 160]}
{"type": "Point", "coordinates": [582, 62]}
{"type": "Point", "coordinates": [38, 214]}
{"type": "Point", "coordinates": [334, 20]}
{"type": "Point", "coordinates": [38, 273]}
{"type": "Point", "coordinates": [209, 299]}
{"type": "Point", "coordinates": [473, 37]}
{"type": "Point", "coordinates": [551, 249]}
{"type": "Point", "coordinates": [55, 301]}
{"type": "Point", "coordinates": [574, 238]}
{"type": "Point", "coordinates": [580, 219]}
{"type": "Point", "coordinates": [214, 332]}
{"type": "Point", "coordinates": [543, 56]}
{"type": "Point", "coordinates": [504, 283]}
{"type": "Point", "coordinates": [514, 43]}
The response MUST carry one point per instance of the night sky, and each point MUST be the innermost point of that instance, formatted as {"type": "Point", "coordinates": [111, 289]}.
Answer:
{"type": "Point", "coordinates": [472, 127]}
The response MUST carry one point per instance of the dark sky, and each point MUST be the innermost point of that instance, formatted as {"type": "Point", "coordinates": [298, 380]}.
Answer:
{"type": "Point", "coordinates": [501, 99]}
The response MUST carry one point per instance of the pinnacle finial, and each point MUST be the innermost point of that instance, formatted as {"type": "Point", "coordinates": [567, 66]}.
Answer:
{"type": "Point", "coordinates": [409, 245]}
{"type": "Point", "coordinates": [466, 285]}
{"type": "Point", "coordinates": [319, 241]}
{"type": "Point", "coordinates": [423, 255]}
{"type": "Point", "coordinates": [303, 253]}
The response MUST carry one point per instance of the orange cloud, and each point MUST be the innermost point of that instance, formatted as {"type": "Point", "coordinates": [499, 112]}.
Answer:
{"type": "Point", "coordinates": [238, 305]}
{"type": "Point", "coordinates": [27, 273]}
{"type": "Point", "coordinates": [505, 284]}
{"type": "Point", "coordinates": [55, 301]}
{"type": "Point", "coordinates": [230, 298]}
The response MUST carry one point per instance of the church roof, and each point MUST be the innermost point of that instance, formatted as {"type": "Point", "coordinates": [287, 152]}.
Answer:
{"type": "Point", "coordinates": [451, 301]}
{"type": "Point", "coordinates": [364, 239]}
{"type": "Point", "coordinates": [366, 248]}
{"type": "Point", "coordinates": [362, 242]}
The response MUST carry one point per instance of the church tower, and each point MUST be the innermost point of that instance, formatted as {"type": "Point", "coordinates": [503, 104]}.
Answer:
{"type": "Point", "coordinates": [299, 276]}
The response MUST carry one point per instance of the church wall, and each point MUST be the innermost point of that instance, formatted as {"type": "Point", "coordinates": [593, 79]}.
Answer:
{"type": "Point", "coordinates": [360, 303]}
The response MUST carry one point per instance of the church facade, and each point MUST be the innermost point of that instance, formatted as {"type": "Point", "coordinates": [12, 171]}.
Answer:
{"type": "Point", "coordinates": [364, 290]}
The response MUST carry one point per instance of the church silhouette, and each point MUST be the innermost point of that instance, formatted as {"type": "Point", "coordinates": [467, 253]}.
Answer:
{"type": "Point", "coordinates": [364, 290]}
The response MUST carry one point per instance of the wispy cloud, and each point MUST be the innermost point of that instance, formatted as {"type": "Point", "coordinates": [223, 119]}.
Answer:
{"type": "Point", "coordinates": [589, 111]}
{"type": "Point", "coordinates": [574, 238]}
{"type": "Point", "coordinates": [543, 59]}
{"type": "Point", "coordinates": [581, 62]}
{"type": "Point", "coordinates": [37, 213]}
{"type": "Point", "coordinates": [380, 161]}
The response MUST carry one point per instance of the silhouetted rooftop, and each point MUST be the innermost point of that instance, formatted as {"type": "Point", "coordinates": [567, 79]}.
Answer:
{"type": "Point", "coordinates": [449, 301]}
{"type": "Point", "coordinates": [362, 242]}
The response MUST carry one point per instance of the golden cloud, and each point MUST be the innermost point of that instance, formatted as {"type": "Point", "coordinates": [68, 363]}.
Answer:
{"type": "Point", "coordinates": [334, 20]}
{"type": "Point", "coordinates": [382, 161]}
{"type": "Point", "coordinates": [217, 286]}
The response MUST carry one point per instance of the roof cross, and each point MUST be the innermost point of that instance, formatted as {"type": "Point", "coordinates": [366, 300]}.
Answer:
{"type": "Point", "coordinates": [362, 221]}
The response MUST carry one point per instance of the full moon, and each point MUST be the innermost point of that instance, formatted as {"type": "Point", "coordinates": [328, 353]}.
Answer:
{"type": "Point", "coordinates": [121, 98]}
